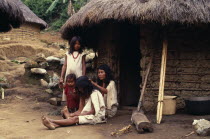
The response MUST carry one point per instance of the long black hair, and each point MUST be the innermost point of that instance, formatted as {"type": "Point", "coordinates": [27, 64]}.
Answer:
{"type": "Point", "coordinates": [73, 42]}
{"type": "Point", "coordinates": [108, 77]}
{"type": "Point", "coordinates": [84, 83]}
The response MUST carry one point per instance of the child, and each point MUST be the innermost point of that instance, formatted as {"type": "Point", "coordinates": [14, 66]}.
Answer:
{"type": "Point", "coordinates": [72, 97]}
{"type": "Point", "coordinates": [74, 61]}
{"type": "Point", "coordinates": [93, 112]}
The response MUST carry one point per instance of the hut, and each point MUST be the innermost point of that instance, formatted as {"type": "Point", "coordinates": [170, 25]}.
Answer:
{"type": "Point", "coordinates": [126, 33]}
{"type": "Point", "coordinates": [30, 29]}
{"type": "Point", "coordinates": [10, 15]}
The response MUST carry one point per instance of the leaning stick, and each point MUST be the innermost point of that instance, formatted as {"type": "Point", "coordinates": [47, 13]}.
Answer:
{"type": "Point", "coordinates": [162, 82]}
{"type": "Point", "coordinates": [145, 83]}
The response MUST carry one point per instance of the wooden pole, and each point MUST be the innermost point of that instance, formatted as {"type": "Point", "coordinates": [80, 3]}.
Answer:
{"type": "Point", "coordinates": [138, 118]}
{"type": "Point", "coordinates": [162, 82]}
{"type": "Point", "coordinates": [144, 84]}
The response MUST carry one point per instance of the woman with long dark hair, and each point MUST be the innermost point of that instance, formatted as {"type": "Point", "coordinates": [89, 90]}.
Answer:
{"type": "Point", "coordinates": [92, 113]}
{"type": "Point", "coordinates": [107, 87]}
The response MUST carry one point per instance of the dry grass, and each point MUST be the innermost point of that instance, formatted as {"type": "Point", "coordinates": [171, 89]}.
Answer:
{"type": "Point", "coordinates": [10, 15]}
{"type": "Point", "coordinates": [161, 11]}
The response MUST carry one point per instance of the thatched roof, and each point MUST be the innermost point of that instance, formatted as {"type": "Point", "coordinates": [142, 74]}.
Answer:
{"type": "Point", "coordinates": [30, 16]}
{"type": "Point", "coordinates": [10, 15]}
{"type": "Point", "coordinates": [160, 11]}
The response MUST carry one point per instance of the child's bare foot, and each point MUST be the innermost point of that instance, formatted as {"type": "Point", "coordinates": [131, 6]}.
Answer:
{"type": "Point", "coordinates": [46, 122]}
{"type": "Point", "coordinates": [65, 112]}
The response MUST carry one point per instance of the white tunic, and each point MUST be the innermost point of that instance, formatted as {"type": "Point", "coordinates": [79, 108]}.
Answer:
{"type": "Point", "coordinates": [111, 99]}
{"type": "Point", "coordinates": [95, 99]}
{"type": "Point", "coordinates": [73, 66]}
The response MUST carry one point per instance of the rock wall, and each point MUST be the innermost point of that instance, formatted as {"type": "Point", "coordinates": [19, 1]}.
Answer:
{"type": "Point", "coordinates": [188, 63]}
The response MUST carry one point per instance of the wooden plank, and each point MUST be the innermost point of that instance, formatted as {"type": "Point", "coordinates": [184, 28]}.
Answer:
{"type": "Point", "coordinates": [162, 82]}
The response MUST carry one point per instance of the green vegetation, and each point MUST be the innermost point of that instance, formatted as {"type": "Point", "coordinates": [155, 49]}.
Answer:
{"type": "Point", "coordinates": [2, 79]}
{"type": "Point", "coordinates": [54, 12]}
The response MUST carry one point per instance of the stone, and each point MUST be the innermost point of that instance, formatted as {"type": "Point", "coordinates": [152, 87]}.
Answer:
{"type": "Point", "coordinates": [55, 101]}
{"type": "Point", "coordinates": [31, 64]}
{"type": "Point", "coordinates": [53, 59]}
{"type": "Point", "coordinates": [4, 85]}
{"type": "Point", "coordinates": [54, 81]}
{"type": "Point", "coordinates": [40, 57]}
{"type": "Point", "coordinates": [202, 127]}
{"type": "Point", "coordinates": [38, 71]}
{"type": "Point", "coordinates": [62, 61]}
{"type": "Point", "coordinates": [43, 83]}
{"type": "Point", "coordinates": [62, 46]}
{"type": "Point", "coordinates": [44, 65]}
{"type": "Point", "coordinates": [89, 57]}
{"type": "Point", "coordinates": [49, 91]}
{"type": "Point", "coordinates": [21, 60]}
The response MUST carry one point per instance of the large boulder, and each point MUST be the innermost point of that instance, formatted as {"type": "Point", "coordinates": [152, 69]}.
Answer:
{"type": "Point", "coordinates": [38, 71]}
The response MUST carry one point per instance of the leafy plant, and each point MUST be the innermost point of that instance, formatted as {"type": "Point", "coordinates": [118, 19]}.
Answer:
{"type": "Point", "coordinates": [15, 61]}
{"type": "Point", "coordinates": [3, 79]}
{"type": "Point", "coordinates": [54, 12]}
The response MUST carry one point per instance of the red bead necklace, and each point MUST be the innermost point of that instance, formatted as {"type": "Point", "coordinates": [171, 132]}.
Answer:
{"type": "Point", "coordinates": [75, 57]}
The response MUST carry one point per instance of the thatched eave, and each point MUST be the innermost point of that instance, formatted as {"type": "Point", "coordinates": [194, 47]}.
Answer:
{"type": "Point", "coordinates": [30, 16]}
{"type": "Point", "coordinates": [159, 11]}
{"type": "Point", "coordinates": [10, 15]}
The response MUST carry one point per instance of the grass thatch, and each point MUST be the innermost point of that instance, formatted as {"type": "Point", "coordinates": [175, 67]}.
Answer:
{"type": "Point", "coordinates": [10, 15]}
{"type": "Point", "coordinates": [30, 16]}
{"type": "Point", "coordinates": [161, 11]}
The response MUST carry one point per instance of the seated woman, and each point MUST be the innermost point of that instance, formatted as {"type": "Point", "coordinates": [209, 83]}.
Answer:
{"type": "Point", "coordinates": [92, 113]}
{"type": "Point", "coordinates": [107, 87]}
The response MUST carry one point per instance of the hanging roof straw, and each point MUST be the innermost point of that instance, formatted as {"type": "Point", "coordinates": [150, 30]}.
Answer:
{"type": "Point", "coordinates": [158, 11]}
{"type": "Point", "coordinates": [10, 15]}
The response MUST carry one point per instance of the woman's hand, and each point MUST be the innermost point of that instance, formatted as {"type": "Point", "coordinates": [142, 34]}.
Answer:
{"type": "Point", "coordinates": [92, 82]}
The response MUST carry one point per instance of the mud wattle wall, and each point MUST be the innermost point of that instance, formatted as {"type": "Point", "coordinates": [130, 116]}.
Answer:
{"type": "Point", "coordinates": [188, 63]}
{"type": "Point", "coordinates": [28, 31]}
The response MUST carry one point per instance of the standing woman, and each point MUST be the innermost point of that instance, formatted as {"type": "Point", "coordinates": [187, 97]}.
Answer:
{"type": "Point", "coordinates": [107, 87]}
{"type": "Point", "coordinates": [74, 61]}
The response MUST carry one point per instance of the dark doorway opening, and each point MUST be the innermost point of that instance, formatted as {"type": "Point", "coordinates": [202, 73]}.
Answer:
{"type": "Point", "coordinates": [129, 65]}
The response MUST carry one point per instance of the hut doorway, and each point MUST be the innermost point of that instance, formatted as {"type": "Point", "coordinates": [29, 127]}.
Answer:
{"type": "Point", "coordinates": [129, 65]}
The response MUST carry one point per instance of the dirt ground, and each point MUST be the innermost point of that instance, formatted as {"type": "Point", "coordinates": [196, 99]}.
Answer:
{"type": "Point", "coordinates": [24, 104]}
{"type": "Point", "coordinates": [20, 119]}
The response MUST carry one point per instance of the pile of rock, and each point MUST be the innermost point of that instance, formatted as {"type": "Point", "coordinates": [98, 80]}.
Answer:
{"type": "Point", "coordinates": [40, 65]}
{"type": "Point", "coordinates": [45, 70]}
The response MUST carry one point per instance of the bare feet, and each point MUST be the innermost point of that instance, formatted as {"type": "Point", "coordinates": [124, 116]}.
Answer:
{"type": "Point", "coordinates": [65, 113]}
{"type": "Point", "coordinates": [46, 122]}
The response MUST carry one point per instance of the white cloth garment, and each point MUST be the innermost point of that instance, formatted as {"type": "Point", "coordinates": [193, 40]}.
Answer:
{"type": "Point", "coordinates": [95, 99]}
{"type": "Point", "coordinates": [111, 99]}
{"type": "Point", "coordinates": [73, 66]}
